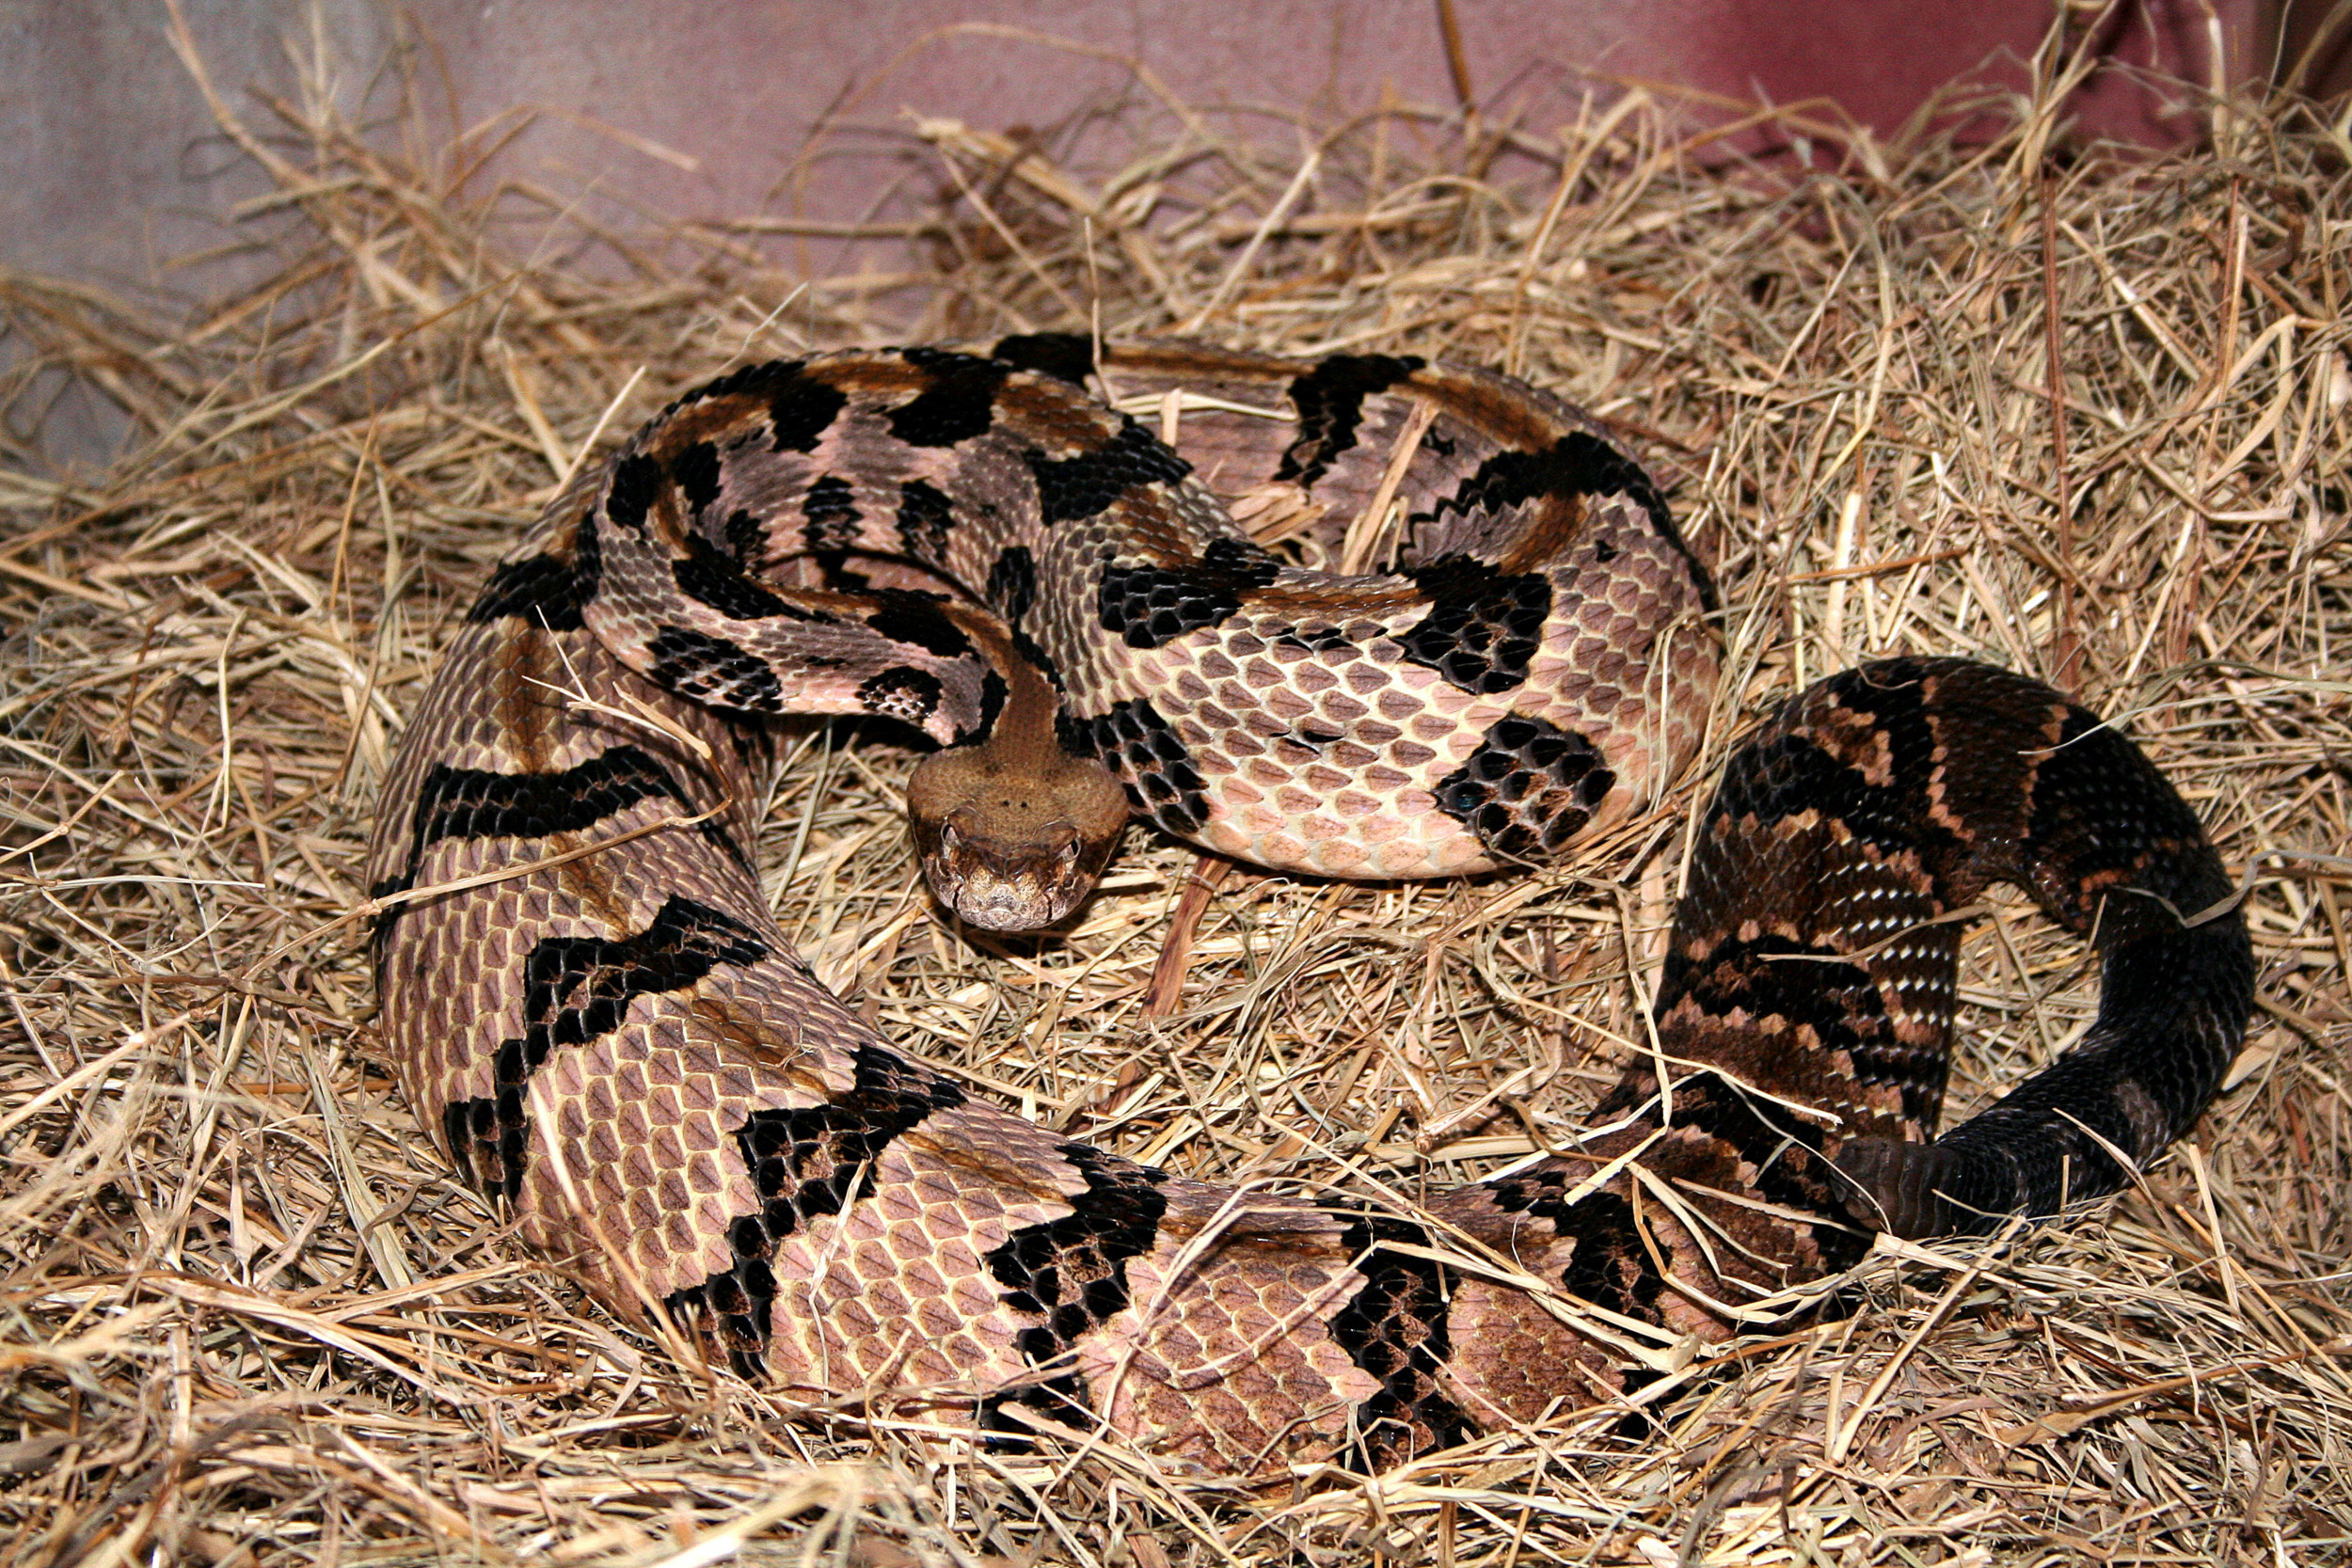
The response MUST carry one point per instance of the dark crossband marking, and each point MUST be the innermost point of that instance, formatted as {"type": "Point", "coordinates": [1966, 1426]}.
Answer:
{"type": "Point", "coordinates": [543, 589]}
{"type": "Point", "coordinates": [471, 802]}
{"type": "Point", "coordinates": [1883, 802]}
{"type": "Point", "coordinates": [1816, 988]}
{"type": "Point", "coordinates": [992, 693]}
{"type": "Point", "coordinates": [1013, 593]}
{"type": "Point", "coordinates": [903, 692]}
{"type": "Point", "coordinates": [832, 519]}
{"type": "Point", "coordinates": [708, 575]}
{"type": "Point", "coordinates": [746, 536]}
{"type": "Point", "coordinates": [806, 1164]}
{"type": "Point", "coordinates": [1789, 775]}
{"type": "Point", "coordinates": [1064, 355]}
{"type": "Point", "coordinates": [629, 495]}
{"type": "Point", "coordinates": [1331, 404]}
{"type": "Point", "coordinates": [697, 471]}
{"type": "Point", "coordinates": [1609, 1266]}
{"type": "Point", "coordinates": [1394, 1328]}
{"type": "Point", "coordinates": [1013, 583]}
{"type": "Point", "coordinates": [1160, 777]}
{"type": "Point", "coordinates": [1578, 464]}
{"type": "Point", "coordinates": [910, 616]}
{"type": "Point", "coordinates": [1484, 627]}
{"type": "Point", "coordinates": [2100, 807]}
{"type": "Point", "coordinates": [578, 990]}
{"type": "Point", "coordinates": [801, 408]}
{"type": "Point", "coordinates": [1777, 1152]}
{"type": "Point", "coordinates": [959, 403]}
{"type": "Point", "coordinates": [925, 517]}
{"type": "Point", "coordinates": [1071, 1274]}
{"type": "Point", "coordinates": [1150, 605]}
{"type": "Point", "coordinates": [539, 589]}
{"type": "Point", "coordinates": [1069, 488]}
{"type": "Point", "coordinates": [1528, 788]}
{"type": "Point", "coordinates": [713, 670]}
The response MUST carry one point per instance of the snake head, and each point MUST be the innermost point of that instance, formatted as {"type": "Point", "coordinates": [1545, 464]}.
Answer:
{"type": "Point", "coordinates": [1013, 842]}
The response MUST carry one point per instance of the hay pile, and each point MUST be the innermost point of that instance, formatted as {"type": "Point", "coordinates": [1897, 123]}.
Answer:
{"type": "Point", "coordinates": [251, 1319]}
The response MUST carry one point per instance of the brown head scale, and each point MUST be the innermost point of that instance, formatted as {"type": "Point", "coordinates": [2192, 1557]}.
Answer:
{"type": "Point", "coordinates": [1013, 831]}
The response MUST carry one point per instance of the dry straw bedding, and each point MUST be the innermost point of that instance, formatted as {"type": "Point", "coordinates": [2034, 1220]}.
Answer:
{"type": "Point", "coordinates": [251, 1318]}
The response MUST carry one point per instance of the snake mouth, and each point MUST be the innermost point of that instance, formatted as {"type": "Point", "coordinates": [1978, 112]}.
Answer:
{"type": "Point", "coordinates": [1012, 886]}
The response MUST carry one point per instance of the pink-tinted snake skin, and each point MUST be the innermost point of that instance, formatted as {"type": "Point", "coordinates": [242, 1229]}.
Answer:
{"type": "Point", "coordinates": [587, 997]}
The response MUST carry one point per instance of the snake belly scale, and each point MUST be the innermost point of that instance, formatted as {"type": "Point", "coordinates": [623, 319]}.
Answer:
{"type": "Point", "coordinates": [588, 1000]}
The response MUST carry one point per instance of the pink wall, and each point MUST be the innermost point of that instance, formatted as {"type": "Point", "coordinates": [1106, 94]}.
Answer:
{"type": "Point", "coordinates": [114, 158]}
{"type": "Point", "coordinates": [115, 165]}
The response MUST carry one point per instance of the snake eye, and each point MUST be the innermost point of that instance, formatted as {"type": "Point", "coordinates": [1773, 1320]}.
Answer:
{"type": "Point", "coordinates": [949, 837]}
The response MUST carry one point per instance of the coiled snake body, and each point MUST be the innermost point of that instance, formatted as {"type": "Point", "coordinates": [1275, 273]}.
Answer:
{"type": "Point", "coordinates": [588, 999]}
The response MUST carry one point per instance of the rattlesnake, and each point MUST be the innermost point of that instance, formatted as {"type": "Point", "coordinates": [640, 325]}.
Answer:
{"type": "Point", "coordinates": [587, 997]}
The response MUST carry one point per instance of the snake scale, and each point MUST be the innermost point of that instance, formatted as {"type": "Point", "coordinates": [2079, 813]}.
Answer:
{"type": "Point", "coordinates": [587, 997]}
